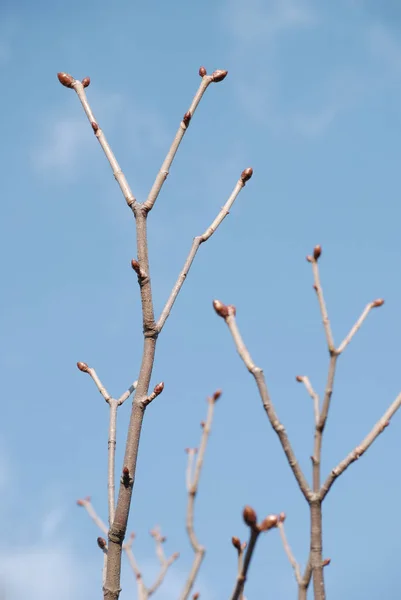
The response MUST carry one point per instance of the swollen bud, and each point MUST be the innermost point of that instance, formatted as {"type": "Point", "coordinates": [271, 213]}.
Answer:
{"type": "Point", "coordinates": [378, 302]}
{"type": "Point", "coordinates": [83, 367]}
{"type": "Point", "coordinates": [216, 395]}
{"type": "Point", "coordinates": [196, 596]}
{"type": "Point", "coordinates": [299, 378]}
{"type": "Point", "coordinates": [249, 516]}
{"type": "Point", "coordinates": [326, 562]}
{"type": "Point", "coordinates": [86, 81]}
{"type": "Point", "coordinates": [219, 75]}
{"type": "Point", "coordinates": [202, 71]}
{"type": "Point", "coordinates": [158, 388]}
{"type": "Point", "coordinates": [270, 522]}
{"type": "Point", "coordinates": [236, 542]}
{"type": "Point", "coordinates": [220, 308]}
{"type": "Point", "coordinates": [95, 126]}
{"type": "Point", "coordinates": [101, 542]}
{"type": "Point", "coordinates": [317, 251]}
{"type": "Point", "coordinates": [135, 266]}
{"type": "Point", "coordinates": [66, 79]}
{"type": "Point", "coordinates": [282, 517]}
{"type": "Point", "coordinates": [187, 118]}
{"type": "Point", "coordinates": [246, 175]}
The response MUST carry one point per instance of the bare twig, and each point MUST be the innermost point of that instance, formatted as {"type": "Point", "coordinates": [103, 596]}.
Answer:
{"type": "Point", "coordinates": [305, 380]}
{"type": "Point", "coordinates": [317, 251]}
{"type": "Point", "coordinates": [288, 550]}
{"type": "Point", "coordinates": [145, 592]}
{"type": "Point", "coordinates": [192, 480]}
{"type": "Point", "coordinates": [363, 446]}
{"type": "Point", "coordinates": [165, 168]}
{"type": "Point", "coordinates": [242, 574]}
{"type": "Point", "coordinates": [228, 313]}
{"type": "Point", "coordinates": [245, 176]}
{"type": "Point", "coordinates": [87, 505]}
{"type": "Point", "coordinates": [356, 327]}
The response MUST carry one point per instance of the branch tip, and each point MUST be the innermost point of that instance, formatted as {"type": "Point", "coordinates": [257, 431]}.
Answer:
{"type": "Point", "coordinates": [216, 395]}
{"type": "Point", "coordinates": [317, 251]}
{"type": "Point", "coordinates": [377, 303]}
{"type": "Point", "coordinates": [236, 542]}
{"type": "Point", "coordinates": [83, 367]}
{"type": "Point", "coordinates": [269, 522]}
{"type": "Point", "coordinates": [66, 80]}
{"type": "Point", "coordinates": [249, 516]}
{"type": "Point", "coordinates": [219, 75]}
{"type": "Point", "coordinates": [246, 175]}
{"type": "Point", "coordinates": [220, 308]}
{"type": "Point", "coordinates": [86, 82]}
{"type": "Point", "coordinates": [282, 517]}
{"type": "Point", "coordinates": [202, 71]}
{"type": "Point", "coordinates": [299, 378]}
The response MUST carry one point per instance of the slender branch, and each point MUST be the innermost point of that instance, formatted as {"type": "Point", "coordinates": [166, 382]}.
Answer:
{"type": "Point", "coordinates": [241, 577]}
{"type": "Point", "coordinates": [289, 553]}
{"type": "Point", "coordinates": [79, 88]}
{"type": "Point", "coordinates": [245, 176]}
{"type": "Point", "coordinates": [319, 292]}
{"type": "Point", "coordinates": [383, 422]}
{"type": "Point", "coordinates": [356, 327]}
{"type": "Point", "coordinates": [144, 592]}
{"type": "Point", "coordinates": [87, 505]}
{"type": "Point", "coordinates": [228, 313]}
{"type": "Point", "coordinates": [192, 480]}
{"type": "Point", "coordinates": [165, 168]}
{"type": "Point", "coordinates": [305, 380]}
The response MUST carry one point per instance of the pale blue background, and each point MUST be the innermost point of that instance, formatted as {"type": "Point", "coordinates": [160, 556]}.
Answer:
{"type": "Point", "coordinates": [312, 102]}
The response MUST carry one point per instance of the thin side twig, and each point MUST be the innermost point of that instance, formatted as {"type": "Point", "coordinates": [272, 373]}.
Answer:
{"type": "Point", "coordinates": [305, 380]}
{"type": "Point", "coordinates": [289, 553]}
{"type": "Point", "coordinates": [198, 240]}
{"type": "Point", "coordinates": [192, 480]}
{"type": "Point", "coordinates": [165, 168]}
{"type": "Point", "coordinates": [228, 313]}
{"type": "Point", "coordinates": [363, 446]}
{"type": "Point", "coordinates": [242, 573]}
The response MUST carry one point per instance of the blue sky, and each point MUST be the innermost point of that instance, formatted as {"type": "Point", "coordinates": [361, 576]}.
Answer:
{"type": "Point", "coordinates": [311, 102]}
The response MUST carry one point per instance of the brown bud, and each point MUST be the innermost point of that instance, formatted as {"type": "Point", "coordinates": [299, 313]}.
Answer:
{"type": "Point", "coordinates": [246, 175]}
{"type": "Point", "coordinates": [326, 562]}
{"type": "Point", "coordinates": [220, 308]}
{"type": "Point", "coordinates": [66, 79]}
{"type": "Point", "coordinates": [81, 502]}
{"type": "Point", "coordinates": [236, 542]}
{"type": "Point", "coordinates": [196, 596]}
{"type": "Point", "coordinates": [309, 258]}
{"type": "Point", "coordinates": [101, 542]}
{"type": "Point", "coordinates": [268, 523]}
{"type": "Point", "coordinates": [299, 378]}
{"type": "Point", "coordinates": [202, 71]}
{"type": "Point", "coordinates": [378, 302]}
{"type": "Point", "coordinates": [86, 81]}
{"type": "Point", "coordinates": [135, 266]}
{"type": "Point", "coordinates": [219, 75]}
{"type": "Point", "coordinates": [95, 126]}
{"type": "Point", "coordinates": [217, 395]}
{"type": "Point", "coordinates": [132, 535]}
{"type": "Point", "coordinates": [314, 287]}
{"type": "Point", "coordinates": [282, 517]}
{"type": "Point", "coordinates": [202, 424]}
{"type": "Point", "coordinates": [187, 118]}
{"type": "Point", "coordinates": [249, 516]}
{"type": "Point", "coordinates": [317, 251]}
{"type": "Point", "coordinates": [83, 367]}
{"type": "Point", "coordinates": [125, 472]}
{"type": "Point", "coordinates": [158, 388]}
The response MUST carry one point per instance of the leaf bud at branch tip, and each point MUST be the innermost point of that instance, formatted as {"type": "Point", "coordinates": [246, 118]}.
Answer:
{"type": "Point", "coordinates": [299, 378]}
{"type": "Point", "coordinates": [216, 395]}
{"type": "Point", "coordinates": [270, 522]}
{"type": "Point", "coordinates": [187, 118]}
{"type": "Point", "coordinates": [249, 516]}
{"type": "Point", "coordinates": [219, 75]}
{"type": "Point", "coordinates": [101, 542]}
{"type": "Point", "coordinates": [236, 542]}
{"type": "Point", "coordinates": [83, 367]}
{"type": "Point", "coordinates": [158, 388]}
{"type": "Point", "coordinates": [86, 81]}
{"type": "Point", "coordinates": [202, 71]}
{"type": "Point", "coordinates": [317, 251]}
{"type": "Point", "coordinates": [378, 302]}
{"type": "Point", "coordinates": [66, 79]}
{"type": "Point", "coordinates": [220, 308]}
{"type": "Point", "coordinates": [246, 175]}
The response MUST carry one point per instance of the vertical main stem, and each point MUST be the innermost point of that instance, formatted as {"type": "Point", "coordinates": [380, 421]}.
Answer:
{"type": "Point", "coordinates": [316, 549]}
{"type": "Point", "coordinates": [118, 528]}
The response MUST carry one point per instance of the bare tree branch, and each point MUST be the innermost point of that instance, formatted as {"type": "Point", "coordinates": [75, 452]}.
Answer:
{"type": "Point", "coordinates": [228, 313]}
{"type": "Point", "coordinates": [288, 550]}
{"type": "Point", "coordinates": [305, 380]}
{"type": "Point", "coordinates": [192, 480]}
{"type": "Point", "coordinates": [361, 449]}
{"type": "Point", "coordinates": [356, 327]}
{"type": "Point", "coordinates": [245, 176]}
{"type": "Point", "coordinates": [145, 592]}
{"type": "Point", "coordinates": [87, 505]}
{"type": "Point", "coordinates": [165, 168]}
